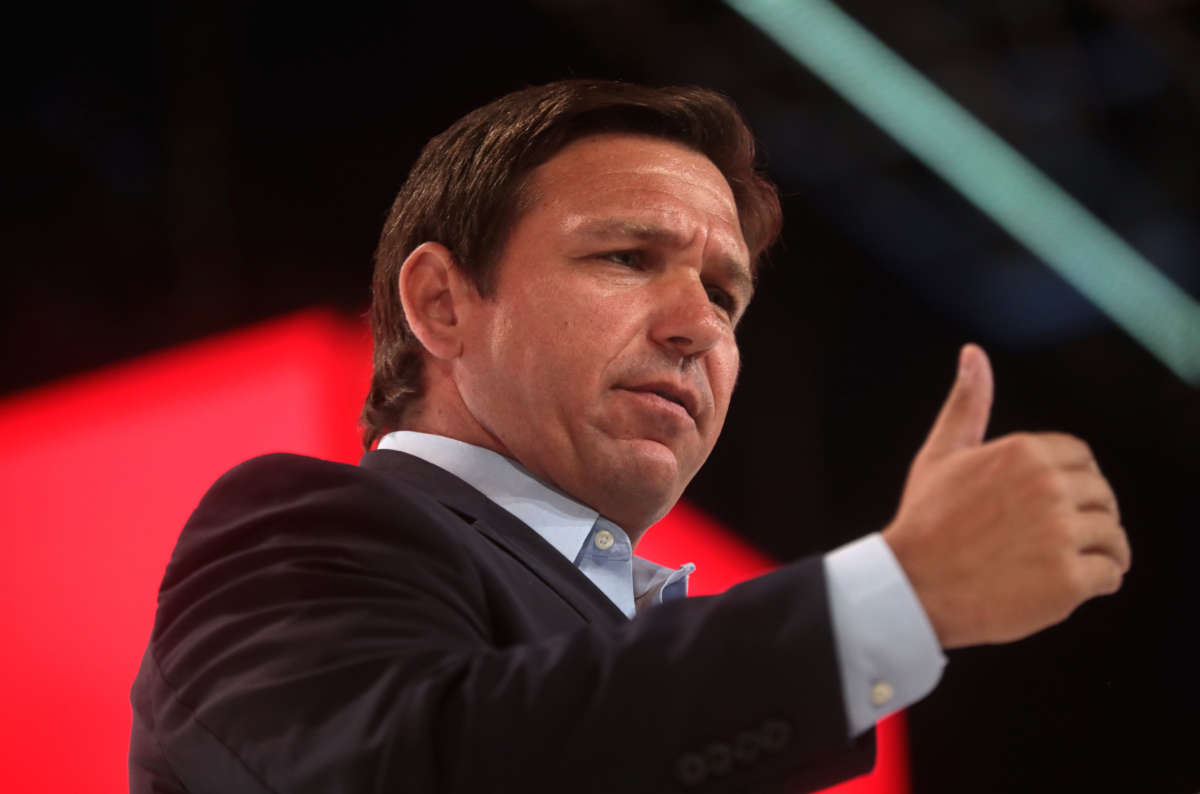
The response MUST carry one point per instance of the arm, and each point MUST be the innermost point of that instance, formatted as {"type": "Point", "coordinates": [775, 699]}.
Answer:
{"type": "Point", "coordinates": [992, 542]}
{"type": "Point", "coordinates": [331, 639]}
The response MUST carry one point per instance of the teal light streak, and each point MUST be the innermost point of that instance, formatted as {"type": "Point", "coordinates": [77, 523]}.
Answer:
{"type": "Point", "coordinates": [989, 173]}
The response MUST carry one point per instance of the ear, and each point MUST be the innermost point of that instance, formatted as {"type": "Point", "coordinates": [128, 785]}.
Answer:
{"type": "Point", "coordinates": [433, 292]}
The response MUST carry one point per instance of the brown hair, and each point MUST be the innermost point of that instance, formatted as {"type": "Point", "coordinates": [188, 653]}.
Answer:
{"type": "Point", "coordinates": [466, 189]}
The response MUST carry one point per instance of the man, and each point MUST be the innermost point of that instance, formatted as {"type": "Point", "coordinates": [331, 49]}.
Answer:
{"type": "Point", "coordinates": [556, 297]}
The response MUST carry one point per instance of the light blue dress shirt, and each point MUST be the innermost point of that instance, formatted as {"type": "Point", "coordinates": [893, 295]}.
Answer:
{"type": "Point", "coordinates": [888, 653]}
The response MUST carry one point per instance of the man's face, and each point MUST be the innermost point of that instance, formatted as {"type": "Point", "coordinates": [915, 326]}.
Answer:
{"type": "Point", "coordinates": [605, 360]}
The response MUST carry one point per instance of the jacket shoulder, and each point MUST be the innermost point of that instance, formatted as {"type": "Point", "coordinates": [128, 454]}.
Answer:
{"type": "Point", "coordinates": [283, 485]}
{"type": "Point", "coordinates": [281, 506]}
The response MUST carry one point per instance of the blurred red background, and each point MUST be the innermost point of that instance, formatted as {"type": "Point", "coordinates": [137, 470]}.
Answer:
{"type": "Point", "coordinates": [99, 475]}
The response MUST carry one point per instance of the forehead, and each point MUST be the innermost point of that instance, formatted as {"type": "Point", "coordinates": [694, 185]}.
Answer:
{"type": "Point", "coordinates": [637, 177]}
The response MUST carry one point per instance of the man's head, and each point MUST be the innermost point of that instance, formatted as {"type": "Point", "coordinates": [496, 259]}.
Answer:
{"type": "Point", "coordinates": [554, 259]}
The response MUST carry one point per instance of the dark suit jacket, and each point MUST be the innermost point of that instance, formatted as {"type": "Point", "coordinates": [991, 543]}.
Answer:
{"type": "Point", "coordinates": [387, 628]}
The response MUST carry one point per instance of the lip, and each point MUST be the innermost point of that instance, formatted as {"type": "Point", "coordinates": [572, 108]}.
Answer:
{"type": "Point", "coordinates": [669, 395]}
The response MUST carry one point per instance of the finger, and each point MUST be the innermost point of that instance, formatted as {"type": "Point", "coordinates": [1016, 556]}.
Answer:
{"type": "Point", "coordinates": [963, 419]}
{"type": "Point", "coordinates": [1101, 536]}
{"type": "Point", "coordinates": [1099, 574]}
{"type": "Point", "coordinates": [1089, 491]}
{"type": "Point", "coordinates": [1068, 452]}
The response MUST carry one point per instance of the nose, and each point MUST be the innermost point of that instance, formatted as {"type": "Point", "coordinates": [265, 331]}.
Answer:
{"type": "Point", "coordinates": [685, 321]}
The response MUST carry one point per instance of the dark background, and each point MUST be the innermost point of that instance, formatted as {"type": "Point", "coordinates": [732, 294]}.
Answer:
{"type": "Point", "coordinates": [181, 169]}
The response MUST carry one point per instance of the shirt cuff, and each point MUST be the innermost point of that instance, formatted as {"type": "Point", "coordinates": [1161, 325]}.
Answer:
{"type": "Point", "coordinates": [888, 652]}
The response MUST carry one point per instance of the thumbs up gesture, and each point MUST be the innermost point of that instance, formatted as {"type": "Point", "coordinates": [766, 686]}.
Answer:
{"type": "Point", "coordinates": [1004, 538]}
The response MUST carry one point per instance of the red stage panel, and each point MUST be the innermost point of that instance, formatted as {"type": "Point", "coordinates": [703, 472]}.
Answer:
{"type": "Point", "coordinates": [99, 474]}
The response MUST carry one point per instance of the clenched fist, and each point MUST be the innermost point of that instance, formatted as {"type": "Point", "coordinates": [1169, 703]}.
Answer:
{"type": "Point", "coordinates": [1004, 538]}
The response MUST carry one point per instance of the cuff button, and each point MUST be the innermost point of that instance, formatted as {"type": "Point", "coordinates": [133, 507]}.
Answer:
{"type": "Point", "coordinates": [691, 769]}
{"type": "Point", "coordinates": [746, 747]}
{"type": "Point", "coordinates": [775, 735]}
{"type": "Point", "coordinates": [719, 757]}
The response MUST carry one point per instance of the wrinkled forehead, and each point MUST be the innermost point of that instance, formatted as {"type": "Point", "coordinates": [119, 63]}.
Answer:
{"type": "Point", "coordinates": [636, 176]}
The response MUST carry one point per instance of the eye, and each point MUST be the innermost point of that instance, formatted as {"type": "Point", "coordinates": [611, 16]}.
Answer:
{"type": "Point", "coordinates": [631, 259]}
{"type": "Point", "coordinates": [721, 298]}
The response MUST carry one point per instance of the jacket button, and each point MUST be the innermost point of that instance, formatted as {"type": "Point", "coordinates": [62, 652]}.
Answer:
{"type": "Point", "coordinates": [691, 769]}
{"type": "Point", "coordinates": [775, 735]}
{"type": "Point", "coordinates": [746, 746]}
{"type": "Point", "coordinates": [719, 757]}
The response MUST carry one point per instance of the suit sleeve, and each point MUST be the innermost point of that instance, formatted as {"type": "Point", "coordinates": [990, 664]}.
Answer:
{"type": "Point", "coordinates": [315, 637]}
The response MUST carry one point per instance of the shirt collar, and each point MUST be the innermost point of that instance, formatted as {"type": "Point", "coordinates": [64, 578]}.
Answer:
{"type": "Point", "coordinates": [564, 523]}
{"type": "Point", "coordinates": [559, 519]}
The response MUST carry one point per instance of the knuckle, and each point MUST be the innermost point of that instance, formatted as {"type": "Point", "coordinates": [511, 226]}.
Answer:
{"type": "Point", "coordinates": [1025, 441]}
{"type": "Point", "coordinates": [1048, 483]}
{"type": "Point", "coordinates": [1066, 439]}
{"type": "Point", "coordinates": [1016, 447]}
{"type": "Point", "coordinates": [1077, 448]}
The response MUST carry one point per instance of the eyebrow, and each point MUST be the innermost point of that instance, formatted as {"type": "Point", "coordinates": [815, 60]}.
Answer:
{"type": "Point", "coordinates": [733, 269]}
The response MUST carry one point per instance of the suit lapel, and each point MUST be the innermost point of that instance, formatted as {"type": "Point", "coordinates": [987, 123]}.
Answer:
{"type": "Point", "coordinates": [503, 529]}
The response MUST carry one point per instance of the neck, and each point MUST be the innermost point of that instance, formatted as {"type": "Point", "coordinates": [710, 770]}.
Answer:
{"type": "Point", "coordinates": [442, 412]}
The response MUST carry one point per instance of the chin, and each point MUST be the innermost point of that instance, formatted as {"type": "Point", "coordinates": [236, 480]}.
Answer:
{"type": "Point", "coordinates": [645, 481]}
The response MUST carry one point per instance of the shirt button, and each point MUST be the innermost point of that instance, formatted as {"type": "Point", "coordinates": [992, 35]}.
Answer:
{"type": "Point", "coordinates": [604, 540]}
{"type": "Point", "coordinates": [691, 769]}
{"type": "Point", "coordinates": [881, 693]}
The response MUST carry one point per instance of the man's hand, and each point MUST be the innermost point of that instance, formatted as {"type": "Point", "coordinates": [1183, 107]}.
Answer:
{"type": "Point", "coordinates": [1003, 539]}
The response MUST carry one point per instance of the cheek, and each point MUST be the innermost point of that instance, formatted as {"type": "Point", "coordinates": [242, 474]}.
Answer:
{"type": "Point", "coordinates": [722, 379]}
{"type": "Point", "coordinates": [557, 349]}
{"type": "Point", "coordinates": [586, 331]}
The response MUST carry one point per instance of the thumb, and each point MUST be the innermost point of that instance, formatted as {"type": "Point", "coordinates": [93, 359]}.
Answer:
{"type": "Point", "coordinates": [963, 419]}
